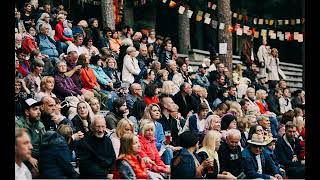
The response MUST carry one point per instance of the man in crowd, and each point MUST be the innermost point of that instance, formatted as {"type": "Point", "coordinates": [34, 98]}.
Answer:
{"type": "Point", "coordinates": [134, 94]}
{"type": "Point", "coordinates": [96, 152]}
{"type": "Point", "coordinates": [184, 100]}
{"type": "Point", "coordinates": [201, 78]}
{"type": "Point", "coordinates": [48, 107]}
{"type": "Point", "coordinates": [23, 149]}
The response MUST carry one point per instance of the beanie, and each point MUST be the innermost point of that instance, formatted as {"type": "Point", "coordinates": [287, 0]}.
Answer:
{"type": "Point", "coordinates": [188, 139]}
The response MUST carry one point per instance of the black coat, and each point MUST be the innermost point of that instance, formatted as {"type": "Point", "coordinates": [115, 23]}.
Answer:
{"type": "Point", "coordinates": [184, 107]}
{"type": "Point", "coordinates": [273, 104]}
{"type": "Point", "coordinates": [55, 158]}
{"type": "Point", "coordinates": [172, 126]}
{"type": "Point", "coordinates": [96, 157]}
{"type": "Point", "coordinates": [284, 154]}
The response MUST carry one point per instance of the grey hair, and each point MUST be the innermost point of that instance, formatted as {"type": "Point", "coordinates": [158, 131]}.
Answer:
{"type": "Point", "coordinates": [60, 62]}
{"type": "Point", "coordinates": [95, 118]}
{"type": "Point", "coordinates": [234, 132]}
{"type": "Point", "coordinates": [43, 15]}
{"type": "Point", "coordinates": [130, 48]}
{"type": "Point", "coordinates": [127, 42]}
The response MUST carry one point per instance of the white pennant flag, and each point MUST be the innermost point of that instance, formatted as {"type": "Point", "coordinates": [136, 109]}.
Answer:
{"type": "Point", "coordinates": [239, 31]}
{"type": "Point", "coordinates": [221, 26]}
{"type": "Point", "coordinates": [214, 6]}
{"type": "Point", "coordinates": [245, 29]}
{"type": "Point", "coordinates": [300, 38]}
{"type": "Point", "coordinates": [181, 9]}
{"type": "Point", "coordinates": [190, 13]}
{"type": "Point", "coordinates": [206, 15]}
{"type": "Point", "coordinates": [207, 20]}
{"type": "Point", "coordinates": [298, 21]}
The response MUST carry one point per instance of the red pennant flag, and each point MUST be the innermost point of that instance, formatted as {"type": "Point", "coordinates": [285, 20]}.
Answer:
{"type": "Point", "coordinates": [230, 28]}
{"type": "Point", "coordinates": [245, 18]}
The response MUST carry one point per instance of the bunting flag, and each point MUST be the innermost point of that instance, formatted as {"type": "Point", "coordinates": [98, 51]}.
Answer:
{"type": "Point", "coordinates": [181, 9]}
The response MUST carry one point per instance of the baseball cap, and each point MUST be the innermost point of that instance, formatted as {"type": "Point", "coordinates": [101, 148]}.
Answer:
{"type": "Point", "coordinates": [203, 66]}
{"type": "Point", "coordinates": [32, 102]}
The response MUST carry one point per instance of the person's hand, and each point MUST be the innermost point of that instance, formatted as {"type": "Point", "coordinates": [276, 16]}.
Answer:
{"type": "Point", "coordinates": [77, 136]}
{"type": "Point", "coordinates": [228, 175]}
{"type": "Point", "coordinates": [295, 158]}
{"type": "Point", "coordinates": [206, 163]}
{"type": "Point", "coordinates": [278, 176]}
{"type": "Point", "coordinates": [33, 162]}
{"type": "Point", "coordinates": [189, 114]}
{"type": "Point", "coordinates": [78, 67]}
{"type": "Point", "coordinates": [147, 160]}
{"type": "Point", "coordinates": [35, 172]}
{"type": "Point", "coordinates": [126, 113]}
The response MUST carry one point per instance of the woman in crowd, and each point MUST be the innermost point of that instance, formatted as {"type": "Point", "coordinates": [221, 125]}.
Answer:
{"type": "Point", "coordinates": [228, 121]}
{"type": "Point", "coordinates": [285, 101]}
{"type": "Point", "coordinates": [62, 41]}
{"type": "Point", "coordinates": [82, 120]}
{"type": "Point", "coordinates": [33, 79]}
{"type": "Point", "coordinates": [130, 66]}
{"type": "Point", "coordinates": [213, 122]}
{"type": "Point", "coordinates": [127, 42]}
{"type": "Point", "coordinates": [203, 98]}
{"type": "Point", "coordinates": [169, 89]}
{"type": "Point", "coordinates": [129, 165]}
{"type": "Point", "coordinates": [22, 93]}
{"type": "Point", "coordinates": [28, 16]}
{"type": "Point", "coordinates": [93, 31]}
{"type": "Point", "coordinates": [95, 105]}
{"type": "Point", "coordinates": [183, 70]}
{"type": "Point", "coordinates": [148, 77]}
{"type": "Point", "coordinates": [102, 78]}
{"type": "Point", "coordinates": [161, 77]}
{"type": "Point", "coordinates": [88, 43]}
{"type": "Point", "coordinates": [55, 156]}
{"type": "Point", "coordinates": [151, 55]}
{"type": "Point", "coordinates": [124, 127]}
{"type": "Point", "coordinates": [151, 94]}
{"type": "Point", "coordinates": [185, 163]}
{"type": "Point", "coordinates": [112, 71]}
{"type": "Point", "coordinates": [242, 124]}
{"type": "Point", "coordinates": [115, 42]}
{"type": "Point", "coordinates": [46, 87]}
{"type": "Point", "coordinates": [257, 129]}
{"type": "Point", "coordinates": [197, 121]}
{"type": "Point", "coordinates": [149, 151]}
{"type": "Point", "coordinates": [29, 43]}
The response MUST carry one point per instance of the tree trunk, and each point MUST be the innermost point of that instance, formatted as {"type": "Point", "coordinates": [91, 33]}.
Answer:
{"type": "Point", "coordinates": [107, 14]}
{"type": "Point", "coordinates": [184, 32]}
{"type": "Point", "coordinates": [225, 36]}
{"type": "Point", "coordinates": [128, 12]}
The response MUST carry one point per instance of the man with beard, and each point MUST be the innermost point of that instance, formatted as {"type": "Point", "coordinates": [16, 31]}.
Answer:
{"type": "Point", "coordinates": [96, 152]}
{"type": "Point", "coordinates": [287, 151]}
{"type": "Point", "coordinates": [23, 149]}
{"type": "Point", "coordinates": [47, 108]}
{"type": "Point", "coordinates": [230, 157]}
{"type": "Point", "coordinates": [35, 129]}
{"type": "Point", "coordinates": [119, 110]}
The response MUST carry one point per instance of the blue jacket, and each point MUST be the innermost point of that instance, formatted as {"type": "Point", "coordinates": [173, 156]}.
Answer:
{"type": "Point", "coordinates": [251, 165]}
{"type": "Point", "coordinates": [102, 77]}
{"type": "Point", "coordinates": [158, 135]}
{"type": "Point", "coordinates": [183, 165]}
{"type": "Point", "coordinates": [55, 158]}
{"type": "Point", "coordinates": [284, 153]}
{"type": "Point", "coordinates": [47, 45]}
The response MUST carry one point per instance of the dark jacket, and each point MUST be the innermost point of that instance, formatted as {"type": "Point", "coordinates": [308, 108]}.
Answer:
{"type": "Point", "coordinates": [214, 175]}
{"type": "Point", "coordinates": [184, 107]}
{"type": "Point", "coordinates": [112, 120]}
{"type": "Point", "coordinates": [248, 73]}
{"type": "Point", "coordinates": [230, 160]}
{"type": "Point", "coordinates": [96, 157]}
{"type": "Point", "coordinates": [251, 165]}
{"type": "Point", "coordinates": [183, 165]}
{"type": "Point", "coordinates": [273, 104]}
{"type": "Point", "coordinates": [78, 125]}
{"type": "Point", "coordinates": [284, 154]}
{"type": "Point", "coordinates": [55, 158]}
{"type": "Point", "coordinates": [172, 126]}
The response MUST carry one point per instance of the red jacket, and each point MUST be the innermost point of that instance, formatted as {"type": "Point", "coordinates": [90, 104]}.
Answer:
{"type": "Point", "coordinates": [263, 106]}
{"type": "Point", "coordinates": [302, 144]}
{"type": "Point", "coordinates": [149, 149]}
{"type": "Point", "coordinates": [88, 78]}
{"type": "Point", "coordinates": [151, 100]}
{"type": "Point", "coordinates": [28, 44]}
{"type": "Point", "coordinates": [137, 165]}
{"type": "Point", "coordinates": [58, 35]}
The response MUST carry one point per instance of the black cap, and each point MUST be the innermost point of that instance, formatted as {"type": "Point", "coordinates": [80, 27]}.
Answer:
{"type": "Point", "coordinates": [188, 139]}
{"type": "Point", "coordinates": [226, 120]}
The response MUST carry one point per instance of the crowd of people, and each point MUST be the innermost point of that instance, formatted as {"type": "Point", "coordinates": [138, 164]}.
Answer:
{"type": "Point", "coordinates": [103, 103]}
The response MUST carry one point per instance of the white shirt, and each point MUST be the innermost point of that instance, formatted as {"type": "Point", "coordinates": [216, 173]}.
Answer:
{"type": "Point", "coordinates": [258, 158]}
{"type": "Point", "coordinates": [22, 173]}
{"type": "Point", "coordinates": [201, 123]}
{"type": "Point", "coordinates": [78, 49]}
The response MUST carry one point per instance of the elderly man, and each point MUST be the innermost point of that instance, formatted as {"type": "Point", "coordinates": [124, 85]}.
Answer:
{"type": "Point", "coordinates": [35, 129]}
{"type": "Point", "coordinates": [134, 95]}
{"type": "Point", "coordinates": [256, 162]}
{"type": "Point", "coordinates": [287, 151]}
{"type": "Point", "coordinates": [23, 149]}
{"type": "Point", "coordinates": [230, 157]}
{"type": "Point", "coordinates": [183, 100]}
{"type": "Point", "coordinates": [142, 62]}
{"type": "Point", "coordinates": [130, 67]}
{"type": "Point", "coordinates": [96, 152]}
{"type": "Point", "coordinates": [136, 39]}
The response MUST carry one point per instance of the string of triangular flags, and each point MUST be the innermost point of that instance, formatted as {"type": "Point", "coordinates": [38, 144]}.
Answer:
{"type": "Point", "coordinates": [236, 27]}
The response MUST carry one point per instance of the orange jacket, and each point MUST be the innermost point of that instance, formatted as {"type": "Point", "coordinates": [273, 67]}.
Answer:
{"type": "Point", "coordinates": [88, 78]}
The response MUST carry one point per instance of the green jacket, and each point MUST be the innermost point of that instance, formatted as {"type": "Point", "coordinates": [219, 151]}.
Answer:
{"type": "Point", "coordinates": [35, 131]}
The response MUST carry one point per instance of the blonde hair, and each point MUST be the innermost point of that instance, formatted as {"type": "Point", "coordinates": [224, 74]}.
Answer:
{"type": "Point", "coordinates": [209, 140]}
{"type": "Point", "coordinates": [259, 93]}
{"type": "Point", "coordinates": [65, 131]}
{"type": "Point", "coordinates": [299, 122]}
{"type": "Point", "coordinates": [242, 123]}
{"type": "Point", "coordinates": [43, 82]}
{"type": "Point", "coordinates": [210, 120]}
{"type": "Point", "coordinates": [147, 111]}
{"type": "Point", "coordinates": [122, 125]}
{"type": "Point", "coordinates": [115, 62]}
{"type": "Point", "coordinates": [235, 107]}
{"type": "Point", "coordinates": [167, 87]}
{"type": "Point", "coordinates": [127, 42]}
{"type": "Point", "coordinates": [126, 143]}
{"type": "Point", "coordinates": [43, 16]}
{"type": "Point", "coordinates": [144, 124]}
{"type": "Point", "coordinates": [83, 23]}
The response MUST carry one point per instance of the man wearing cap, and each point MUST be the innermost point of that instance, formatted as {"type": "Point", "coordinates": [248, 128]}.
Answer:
{"type": "Point", "coordinates": [262, 83]}
{"type": "Point", "coordinates": [287, 151]}
{"type": "Point", "coordinates": [35, 129]}
{"type": "Point", "coordinates": [201, 78]}
{"type": "Point", "coordinates": [256, 162]}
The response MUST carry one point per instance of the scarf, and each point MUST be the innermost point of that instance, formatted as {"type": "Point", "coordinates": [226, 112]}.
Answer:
{"type": "Point", "coordinates": [287, 142]}
{"type": "Point", "coordinates": [136, 164]}
{"type": "Point", "coordinates": [211, 154]}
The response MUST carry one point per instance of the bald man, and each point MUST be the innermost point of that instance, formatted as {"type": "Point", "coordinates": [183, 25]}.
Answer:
{"type": "Point", "coordinates": [47, 108]}
{"type": "Point", "coordinates": [230, 153]}
{"type": "Point", "coordinates": [136, 40]}
{"type": "Point", "coordinates": [96, 152]}
{"type": "Point", "coordinates": [134, 94]}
